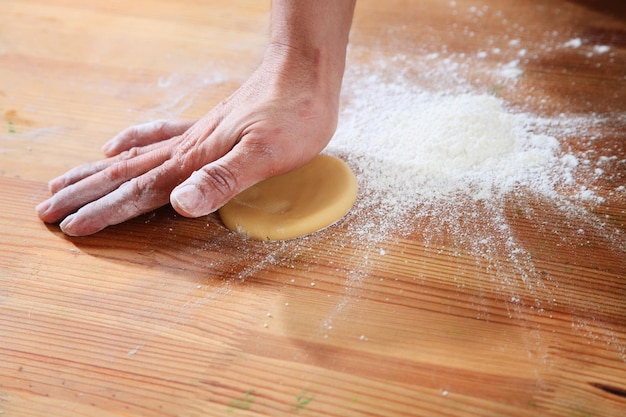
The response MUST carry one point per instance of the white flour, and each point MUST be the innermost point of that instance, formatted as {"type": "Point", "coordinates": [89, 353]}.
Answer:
{"type": "Point", "coordinates": [435, 155]}
{"type": "Point", "coordinates": [439, 159]}
{"type": "Point", "coordinates": [449, 165]}
{"type": "Point", "coordinates": [452, 164]}
{"type": "Point", "coordinates": [438, 145]}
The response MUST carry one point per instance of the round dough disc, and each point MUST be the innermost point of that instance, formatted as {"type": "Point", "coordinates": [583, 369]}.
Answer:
{"type": "Point", "coordinates": [295, 204]}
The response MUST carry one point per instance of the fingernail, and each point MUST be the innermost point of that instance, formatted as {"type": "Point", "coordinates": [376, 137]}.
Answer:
{"type": "Point", "coordinates": [69, 225]}
{"type": "Point", "coordinates": [56, 184]}
{"type": "Point", "coordinates": [66, 225]}
{"type": "Point", "coordinates": [42, 208]}
{"type": "Point", "coordinates": [107, 147]}
{"type": "Point", "coordinates": [190, 200]}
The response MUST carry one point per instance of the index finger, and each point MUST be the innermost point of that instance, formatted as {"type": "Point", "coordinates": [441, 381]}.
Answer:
{"type": "Point", "coordinates": [134, 197]}
{"type": "Point", "coordinates": [95, 186]}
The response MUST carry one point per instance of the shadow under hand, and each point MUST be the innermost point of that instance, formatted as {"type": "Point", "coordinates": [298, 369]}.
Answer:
{"type": "Point", "coordinates": [163, 240]}
{"type": "Point", "coordinates": [616, 9]}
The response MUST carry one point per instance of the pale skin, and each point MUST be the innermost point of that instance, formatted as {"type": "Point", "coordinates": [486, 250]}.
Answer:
{"type": "Point", "coordinates": [279, 119]}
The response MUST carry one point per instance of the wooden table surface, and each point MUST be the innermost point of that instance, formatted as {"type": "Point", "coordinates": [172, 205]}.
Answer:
{"type": "Point", "coordinates": [166, 316]}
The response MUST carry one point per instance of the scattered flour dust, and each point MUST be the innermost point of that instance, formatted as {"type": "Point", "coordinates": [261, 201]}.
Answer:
{"type": "Point", "coordinates": [436, 158]}
{"type": "Point", "coordinates": [446, 162]}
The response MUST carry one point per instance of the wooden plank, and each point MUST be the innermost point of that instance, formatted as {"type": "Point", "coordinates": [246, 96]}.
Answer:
{"type": "Point", "coordinates": [164, 316]}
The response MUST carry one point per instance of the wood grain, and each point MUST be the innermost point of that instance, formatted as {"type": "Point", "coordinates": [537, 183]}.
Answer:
{"type": "Point", "coordinates": [167, 316]}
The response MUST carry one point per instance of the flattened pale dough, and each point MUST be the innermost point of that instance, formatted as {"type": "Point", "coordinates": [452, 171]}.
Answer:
{"type": "Point", "coordinates": [294, 204]}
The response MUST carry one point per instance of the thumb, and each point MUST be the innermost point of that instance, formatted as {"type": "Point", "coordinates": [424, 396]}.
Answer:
{"type": "Point", "coordinates": [213, 185]}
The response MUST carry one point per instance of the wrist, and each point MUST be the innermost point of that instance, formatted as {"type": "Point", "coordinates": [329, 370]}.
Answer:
{"type": "Point", "coordinates": [311, 37]}
{"type": "Point", "coordinates": [308, 25]}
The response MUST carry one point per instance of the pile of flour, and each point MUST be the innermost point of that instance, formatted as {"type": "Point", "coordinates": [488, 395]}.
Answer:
{"type": "Point", "coordinates": [437, 145]}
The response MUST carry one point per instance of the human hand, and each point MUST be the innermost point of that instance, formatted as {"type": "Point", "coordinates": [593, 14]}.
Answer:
{"type": "Point", "coordinates": [282, 117]}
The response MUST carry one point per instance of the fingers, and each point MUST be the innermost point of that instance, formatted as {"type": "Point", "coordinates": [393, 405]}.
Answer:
{"type": "Point", "coordinates": [131, 142]}
{"type": "Point", "coordinates": [83, 171]}
{"type": "Point", "coordinates": [78, 173]}
{"type": "Point", "coordinates": [119, 188]}
{"type": "Point", "coordinates": [145, 134]}
{"type": "Point", "coordinates": [134, 197]}
{"type": "Point", "coordinates": [212, 186]}
{"type": "Point", "coordinates": [93, 187]}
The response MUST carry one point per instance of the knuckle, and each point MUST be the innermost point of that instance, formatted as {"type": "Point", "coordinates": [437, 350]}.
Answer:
{"type": "Point", "coordinates": [264, 147]}
{"type": "Point", "coordinates": [129, 153]}
{"type": "Point", "coordinates": [117, 172]}
{"type": "Point", "coordinates": [220, 178]}
{"type": "Point", "coordinates": [275, 158]}
{"type": "Point", "coordinates": [187, 155]}
{"type": "Point", "coordinates": [136, 194]}
{"type": "Point", "coordinates": [136, 190]}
